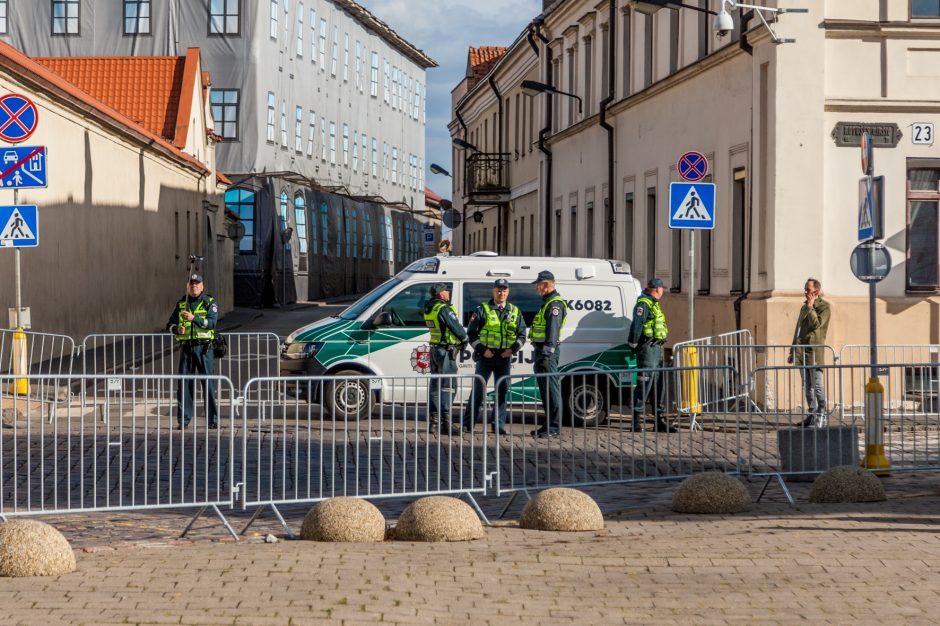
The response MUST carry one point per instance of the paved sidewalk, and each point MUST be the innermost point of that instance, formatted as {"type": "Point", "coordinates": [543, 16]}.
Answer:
{"type": "Point", "coordinates": [860, 564]}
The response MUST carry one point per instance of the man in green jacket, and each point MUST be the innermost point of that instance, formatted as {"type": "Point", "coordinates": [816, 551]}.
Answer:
{"type": "Point", "coordinates": [811, 327]}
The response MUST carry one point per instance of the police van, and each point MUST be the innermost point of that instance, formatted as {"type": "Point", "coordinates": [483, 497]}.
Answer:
{"type": "Point", "coordinates": [384, 333]}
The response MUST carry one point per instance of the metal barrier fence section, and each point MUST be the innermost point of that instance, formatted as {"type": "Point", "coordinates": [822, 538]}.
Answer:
{"type": "Point", "coordinates": [818, 419]}
{"type": "Point", "coordinates": [106, 451]}
{"type": "Point", "coordinates": [27, 352]}
{"type": "Point", "coordinates": [302, 445]}
{"type": "Point", "coordinates": [598, 441]}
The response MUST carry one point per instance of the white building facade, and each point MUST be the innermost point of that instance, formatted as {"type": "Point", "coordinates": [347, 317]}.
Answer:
{"type": "Point", "coordinates": [780, 125]}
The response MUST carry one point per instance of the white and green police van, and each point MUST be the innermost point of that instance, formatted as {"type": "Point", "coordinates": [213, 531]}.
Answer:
{"type": "Point", "coordinates": [384, 333]}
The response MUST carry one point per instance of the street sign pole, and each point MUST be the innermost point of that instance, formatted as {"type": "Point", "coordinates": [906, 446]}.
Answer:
{"type": "Point", "coordinates": [691, 285]}
{"type": "Point", "coordinates": [16, 269]}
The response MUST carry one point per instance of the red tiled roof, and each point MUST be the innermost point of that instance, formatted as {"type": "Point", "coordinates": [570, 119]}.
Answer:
{"type": "Point", "coordinates": [19, 64]}
{"type": "Point", "coordinates": [430, 196]}
{"type": "Point", "coordinates": [148, 90]}
{"type": "Point", "coordinates": [222, 179]}
{"type": "Point", "coordinates": [480, 60]}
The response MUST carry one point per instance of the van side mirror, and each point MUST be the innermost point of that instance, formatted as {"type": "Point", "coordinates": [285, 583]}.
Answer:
{"type": "Point", "coordinates": [381, 319]}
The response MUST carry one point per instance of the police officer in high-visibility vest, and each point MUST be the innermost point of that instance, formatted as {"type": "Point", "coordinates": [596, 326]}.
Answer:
{"type": "Point", "coordinates": [647, 335]}
{"type": "Point", "coordinates": [447, 340]}
{"type": "Point", "coordinates": [193, 323]}
{"type": "Point", "coordinates": [545, 336]}
{"type": "Point", "coordinates": [496, 333]}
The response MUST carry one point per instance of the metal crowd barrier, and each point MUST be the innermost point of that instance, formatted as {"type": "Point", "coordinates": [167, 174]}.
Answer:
{"type": "Point", "coordinates": [45, 353]}
{"type": "Point", "coordinates": [106, 451]}
{"type": "Point", "coordinates": [782, 443]}
{"type": "Point", "coordinates": [597, 445]}
{"type": "Point", "coordinates": [301, 445]}
{"type": "Point", "coordinates": [915, 387]}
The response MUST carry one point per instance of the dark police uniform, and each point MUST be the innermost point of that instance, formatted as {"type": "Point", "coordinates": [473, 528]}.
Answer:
{"type": "Point", "coordinates": [196, 357]}
{"type": "Point", "coordinates": [648, 333]}
{"type": "Point", "coordinates": [546, 337]}
{"type": "Point", "coordinates": [495, 329]}
{"type": "Point", "coordinates": [447, 338]}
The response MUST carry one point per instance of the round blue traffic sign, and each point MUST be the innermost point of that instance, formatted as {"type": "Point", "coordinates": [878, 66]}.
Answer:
{"type": "Point", "coordinates": [19, 118]}
{"type": "Point", "coordinates": [693, 166]}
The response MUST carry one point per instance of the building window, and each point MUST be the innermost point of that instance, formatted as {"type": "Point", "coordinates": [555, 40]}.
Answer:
{"type": "Point", "coordinates": [704, 29]}
{"type": "Point", "coordinates": [374, 76]}
{"type": "Point", "coordinates": [4, 29]}
{"type": "Point", "coordinates": [270, 118]}
{"type": "Point", "coordinates": [65, 17]}
{"type": "Point", "coordinates": [590, 229]}
{"type": "Point", "coordinates": [323, 139]}
{"type": "Point", "coordinates": [242, 203]}
{"type": "Point", "coordinates": [676, 285]}
{"type": "Point", "coordinates": [628, 218]}
{"type": "Point", "coordinates": [738, 239]}
{"type": "Point", "coordinates": [627, 51]}
{"type": "Point", "coordinates": [365, 151]}
{"type": "Point", "coordinates": [345, 57]}
{"type": "Point", "coordinates": [573, 245]}
{"type": "Point", "coordinates": [650, 233]}
{"type": "Point", "coordinates": [335, 51]}
{"type": "Point", "coordinates": [355, 147]}
{"type": "Point", "coordinates": [417, 111]}
{"type": "Point", "coordinates": [588, 76]}
{"type": "Point", "coordinates": [923, 202]}
{"type": "Point", "coordinates": [384, 161]}
{"type": "Point", "coordinates": [572, 61]}
{"type": "Point", "coordinates": [605, 59]}
{"type": "Point", "coordinates": [312, 134]}
{"type": "Point", "coordinates": [300, 220]}
{"type": "Point", "coordinates": [394, 166]}
{"type": "Point", "coordinates": [359, 65]}
{"type": "Point", "coordinates": [283, 210]}
{"type": "Point", "coordinates": [674, 41]}
{"type": "Point", "coordinates": [333, 143]}
{"type": "Point", "coordinates": [313, 36]}
{"type": "Point", "coordinates": [300, 30]}
{"type": "Point", "coordinates": [346, 145]}
{"type": "Point", "coordinates": [275, 9]}
{"type": "Point", "coordinates": [298, 130]}
{"type": "Point", "coordinates": [225, 113]}
{"type": "Point", "coordinates": [368, 238]}
{"type": "Point", "coordinates": [284, 123]}
{"type": "Point", "coordinates": [224, 17]}
{"type": "Point", "coordinates": [352, 243]}
{"type": "Point", "coordinates": [648, 51]}
{"type": "Point", "coordinates": [925, 8]}
{"type": "Point", "coordinates": [136, 17]}
{"type": "Point", "coordinates": [322, 50]}
{"type": "Point", "coordinates": [388, 78]}
{"type": "Point", "coordinates": [325, 227]}
{"type": "Point", "coordinates": [375, 157]}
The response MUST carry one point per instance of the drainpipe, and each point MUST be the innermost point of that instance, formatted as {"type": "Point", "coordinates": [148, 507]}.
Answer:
{"type": "Point", "coordinates": [530, 38]}
{"type": "Point", "coordinates": [463, 222]}
{"type": "Point", "coordinates": [499, 141]}
{"type": "Point", "coordinates": [611, 59]}
{"type": "Point", "coordinates": [748, 266]}
{"type": "Point", "coordinates": [543, 148]}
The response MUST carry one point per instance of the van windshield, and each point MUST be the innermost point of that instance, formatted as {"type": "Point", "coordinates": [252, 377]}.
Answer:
{"type": "Point", "coordinates": [369, 299]}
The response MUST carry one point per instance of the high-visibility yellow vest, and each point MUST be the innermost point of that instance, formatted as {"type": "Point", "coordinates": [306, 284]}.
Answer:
{"type": "Point", "coordinates": [537, 334]}
{"type": "Point", "coordinates": [440, 336]}
{"type": "Point", "coordinates": [190, 330]}
{"type": "Point", "coordinates": [655, 325]}
{"type": "Point", "coordinates": [499, 334]}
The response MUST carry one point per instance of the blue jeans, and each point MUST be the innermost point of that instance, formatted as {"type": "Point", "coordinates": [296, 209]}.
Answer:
{"type": "Point", "coordinates": [499, 367]}
{"type": "Point", "coordinates": [196, 359]}
{"type": "Point", "coordinates": [814, 391]}
{"type": "Point", "coordinates": [441, 392]}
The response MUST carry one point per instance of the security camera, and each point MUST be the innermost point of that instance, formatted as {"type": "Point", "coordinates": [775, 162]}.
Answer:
{"type": "Point", "coordinates": [724, 23]}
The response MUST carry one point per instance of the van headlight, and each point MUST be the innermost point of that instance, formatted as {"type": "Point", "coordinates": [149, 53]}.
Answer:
{"type": "Point", "coordinates": [301, 350]}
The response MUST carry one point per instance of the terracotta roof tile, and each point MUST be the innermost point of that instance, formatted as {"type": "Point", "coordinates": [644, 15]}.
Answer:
{"type": "Point", "coordinates": [481, 60]}
{"type": "Point", "coordinates": [430, 196]}
{"type": "Point", "coordinates": [145, 89]}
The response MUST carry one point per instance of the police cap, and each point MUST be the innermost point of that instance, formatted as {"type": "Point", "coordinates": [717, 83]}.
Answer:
{"type": "Point", "coordinates": [543, 276]}
{"type": "Point", "coordinates": [437, 288]}
{"type": "Point", "coordinates": [655, 283]}
{"type": "Point", "coordinates": [501, 283]}
{"type": "Point", "coordinates": [195, 278]}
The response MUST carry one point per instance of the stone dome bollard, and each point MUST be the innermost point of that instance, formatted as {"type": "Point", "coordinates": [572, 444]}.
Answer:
{"type": "Point", "coordinates": [711, 493]}
{"type": "Point", "coordinates": [846, 483]}
{"type": "Point", "coordinates": [562, 509]}
{"type": "Point", "coordinates": [33, 548]}
{"type": "Point", "coordinates": [438, 518]}
{"type": "Point", "coordinates": [344, 519]}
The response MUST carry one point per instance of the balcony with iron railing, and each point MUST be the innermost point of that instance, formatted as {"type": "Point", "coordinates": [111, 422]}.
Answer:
{"type": "Point", "coordinates": [488, 178]}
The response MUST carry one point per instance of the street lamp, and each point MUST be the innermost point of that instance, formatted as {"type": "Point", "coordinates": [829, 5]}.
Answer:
{"type": "Point", "coordinates": [437, 169]}
{"type": "Point", "coordinates": [533, 88]}
{"type": "Point", "coordinates": [463, 143]}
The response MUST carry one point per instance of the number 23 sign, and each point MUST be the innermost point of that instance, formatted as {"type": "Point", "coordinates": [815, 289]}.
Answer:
{"type": "Point", "coordinates": [922, 133]}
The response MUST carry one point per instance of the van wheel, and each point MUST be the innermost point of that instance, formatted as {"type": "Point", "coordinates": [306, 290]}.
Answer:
{"type": "Point", "coordinates": [585, 400]}
{"type": "Point", "coordinates": [347, 398]}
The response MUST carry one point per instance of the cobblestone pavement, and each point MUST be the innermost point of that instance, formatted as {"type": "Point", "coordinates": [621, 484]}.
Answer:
{"type": "Point", "coordinates": [864, 564]}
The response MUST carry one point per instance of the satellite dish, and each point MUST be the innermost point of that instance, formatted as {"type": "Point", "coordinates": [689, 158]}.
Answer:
{"type": "Point", "coordinates": [451, 218]}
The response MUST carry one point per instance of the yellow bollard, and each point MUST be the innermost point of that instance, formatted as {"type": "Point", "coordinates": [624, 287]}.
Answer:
{"type": "Point", "coordinates": [690, 381]}
{"type": "Point", "coordinates": [20, 363]}
{"type": "Point", "coordinates": [874, 431]}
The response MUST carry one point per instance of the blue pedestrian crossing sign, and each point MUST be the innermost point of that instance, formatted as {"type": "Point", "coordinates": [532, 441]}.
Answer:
{"type": "Point", "coordinates": [692, 206]}
{"type": "Point", "coordinates": [23, 167]}
{"type": "Point", "coordinates": [20, 226]}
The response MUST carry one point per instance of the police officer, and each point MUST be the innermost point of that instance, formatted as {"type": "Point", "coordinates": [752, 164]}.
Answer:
{"type": "Point", "coordinates": [647, 335]}
{"type": "Point", "coordinates": [447, 340]}
{"type": "Point", "coordinates": [193, 322]}
{"type": "Point", "coordinates": [496, 333]}
{"type": "Point", "coordinates": [546, 337]}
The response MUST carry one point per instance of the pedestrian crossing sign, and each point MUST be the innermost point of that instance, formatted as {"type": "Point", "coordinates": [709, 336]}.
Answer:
{"type": "Point", "coordinates": [692, 206]}
{"type": "Point", "coordinates": [20, 226]}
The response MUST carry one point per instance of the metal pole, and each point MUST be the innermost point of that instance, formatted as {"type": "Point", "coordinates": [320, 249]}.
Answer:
{"type": "Point", "coordinates": [16, 269]}
{"type": "Point", "coordinates": [872, 331]}
{"type": "Point", "coordinates": [691, 284]}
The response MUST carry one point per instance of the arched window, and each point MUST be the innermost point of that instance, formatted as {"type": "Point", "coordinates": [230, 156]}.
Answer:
{"type": "Point", "coordinates": [241, 202]}
{"type": "Point", "coordinates": [325, 227]}
{"type": "Point", "coordinates": [300, 219]}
